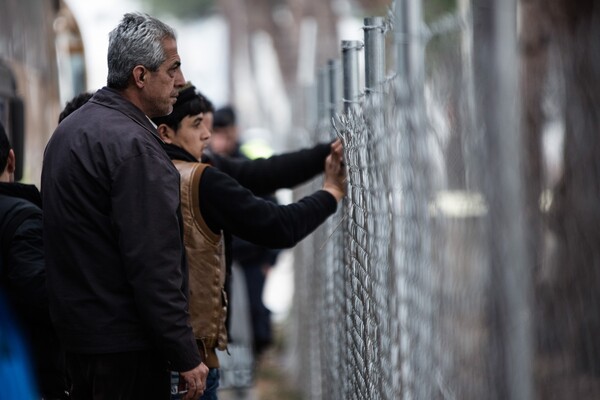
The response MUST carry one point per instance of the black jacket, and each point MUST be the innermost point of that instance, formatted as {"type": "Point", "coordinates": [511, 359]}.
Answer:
{"type": "Point", "coordinates": [22, 270]}
{"type": "Point", "coordinates": [23, 279]}
{"type": "Point", "coordinates": [117, 275]}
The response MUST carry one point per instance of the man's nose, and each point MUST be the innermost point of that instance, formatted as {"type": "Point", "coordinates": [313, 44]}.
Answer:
{"type": "Point", "coordinates": [179, 79]}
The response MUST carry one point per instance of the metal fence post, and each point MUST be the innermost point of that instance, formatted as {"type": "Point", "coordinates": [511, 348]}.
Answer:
{"type": "Point", "coordinates": [400, 39]}
{"type": "Point", "coordinates": [350, 67]}
{"type": "Point", "coordinates": [495, 55]}
{"type": "Point", "coordinates": [409, 41]}
{"type": "Point", "coordinates": [335, 93]}
{"type": "Point", "coordinates": [374, 53]}
{"type": "Point", "coordinates": [323, 97]}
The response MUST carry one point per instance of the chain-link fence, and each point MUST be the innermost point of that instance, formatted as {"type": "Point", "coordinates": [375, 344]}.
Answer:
{"type": "Point", "coordinates": [439, 277]}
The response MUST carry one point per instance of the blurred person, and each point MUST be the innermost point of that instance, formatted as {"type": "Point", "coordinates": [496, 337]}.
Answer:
{"type": "Point", "coordinates": [16, 372]}
{"type": "Point", "coordinates": [254, 260]}
{"type": "Point", "coordinates": [215, 205]}
{"type": "Point", "coordinates": [226, 137]}
{"type": "Point", "coordinates": [73, 104]}
{"type": "Point", "coordinates": [117, 274]}
{"type": "Point", "coordinates": [23, 274]}
{"type": "Point", "coordinates": [208, 113]}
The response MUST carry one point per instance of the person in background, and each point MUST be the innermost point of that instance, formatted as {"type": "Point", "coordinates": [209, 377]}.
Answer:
{"type": "Point", "coordinates": [255, 261]}
{"type": "Point", "coordinates": [226, 135]}
{"type": "Point", "coordinates": [117, 272]}
{"type": "Point", "coordinates": [23, 274]}
{"type": "Point", "coordinates": [17, 379]}
{"type": "Point", "coordinates": [213, 202]}
{"type": "Point", "coordinates": [208, 113]}
{"type": "Point", "coordinates": [73, 104]}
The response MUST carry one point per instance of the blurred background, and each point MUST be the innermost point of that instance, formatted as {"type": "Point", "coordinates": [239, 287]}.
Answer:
{"type": "Point", "coordinates": [465, 261]}
{"type": "Point", "coordinates": [248, 53]}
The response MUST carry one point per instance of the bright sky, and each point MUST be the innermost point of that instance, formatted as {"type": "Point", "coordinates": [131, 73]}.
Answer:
{"type": "Point", "coordinates": [202, 45]}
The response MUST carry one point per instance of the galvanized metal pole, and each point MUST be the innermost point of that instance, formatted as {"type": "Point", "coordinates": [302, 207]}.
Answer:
{"type": "Point", "coordinates": [413, 265]}
{"type": "Point", "coordinates": [335, 92]}
{"type": "Point", "coordinates": [400, 39]}
{"type": "Point", "coordinates": [350, 50]}
{"type": "Point", "coordinates": [416, 46]}
{"type": "Point", "coordinates": [409, 41]}
{"type": "Point", "coordinates": [374, 53]}
{"type": "Point", "coordinates": [323, 97]}
{"type": "Point", "coordinates": [495, 55]}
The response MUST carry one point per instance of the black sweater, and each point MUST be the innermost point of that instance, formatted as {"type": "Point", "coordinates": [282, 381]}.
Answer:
{"type": "Point", "coordinates": [228, 206]}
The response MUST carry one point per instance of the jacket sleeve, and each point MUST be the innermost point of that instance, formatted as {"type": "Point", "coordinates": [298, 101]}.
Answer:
{"type": "Point", "coordinates": [26, 270]}
{"type": "Point", "coordinates": [145, 199]}
{"type": "Point", "coordinates": [246, 253]}
{"type": "Point", "coordinates": [266, 175]}
{"type": "Point", "coordinates": [226, 205]}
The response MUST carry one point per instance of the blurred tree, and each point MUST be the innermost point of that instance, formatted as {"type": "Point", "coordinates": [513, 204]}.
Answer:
{"type": "Point", "coordinates": [371, 5]}
{"type": "Point", "coordinates": [571, 297]}
{"type": "Point", "coordinates": [258, 25]}
{"type": "Point", "coordinates": [534, 44]}
{"type": "Point", "coordinates": [278, 24]}
{"type": "Point", "coordinates": [434, 9]}
{"type": "Point", "coordinates": [281, 20]}
{"type": "Point", "coordinates": [183, 9]}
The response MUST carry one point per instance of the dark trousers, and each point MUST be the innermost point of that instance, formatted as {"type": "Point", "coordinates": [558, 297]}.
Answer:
{"type": "Point", "coordinates": [259, 313]}
{"type": "Point", "coordinates": [119, 376]}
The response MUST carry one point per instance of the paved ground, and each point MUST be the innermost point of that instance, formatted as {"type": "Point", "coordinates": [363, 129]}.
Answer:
{"type": "Point", "coordinates": [272, 382]}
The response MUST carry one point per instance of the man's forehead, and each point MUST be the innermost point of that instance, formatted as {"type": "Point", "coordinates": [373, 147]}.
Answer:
{"type": "Point", "coordinates": [170, 48]}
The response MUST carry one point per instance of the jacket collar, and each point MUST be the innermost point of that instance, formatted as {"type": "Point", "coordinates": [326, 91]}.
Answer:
{"type": "Point", "coordinates": [21, 190]}
{"type": "Point", "coordinates": [177, 153]}
{"type": "Point", "coordinates": [113, 99]}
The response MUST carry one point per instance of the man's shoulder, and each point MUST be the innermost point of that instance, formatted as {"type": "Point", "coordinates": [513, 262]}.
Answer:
{"type": "Point", "coordinates": [104, 127]}
{"type": "Point", "coordinates": [108, 116]}
{"type": "Point", "coordinates": [14, 210]}
{"type": "Point", "coordinates": [191, 170]}
{"type": "Point", "coordinates": [15, 192]}
{"type": "Point", "coordinates": [9, 202]}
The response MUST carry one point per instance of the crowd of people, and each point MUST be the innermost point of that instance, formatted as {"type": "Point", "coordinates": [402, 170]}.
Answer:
{"type": "Point", "coordinates": [124, 277]}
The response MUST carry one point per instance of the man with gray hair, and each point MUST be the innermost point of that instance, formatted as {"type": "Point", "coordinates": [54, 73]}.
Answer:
{"type": "Point", "coordinates": [116, 269]}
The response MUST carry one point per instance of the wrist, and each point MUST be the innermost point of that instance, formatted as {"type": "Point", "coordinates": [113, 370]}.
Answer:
{"type": "Point", "coordinates": [335, 191]}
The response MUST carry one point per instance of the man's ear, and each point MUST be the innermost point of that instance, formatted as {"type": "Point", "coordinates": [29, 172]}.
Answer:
{"type": "Point", "coordinates": [139, 75]}
{"type": "Point", "coordinates": [165, 133]}
{"type": "Point", "coordinates": [11, 165]}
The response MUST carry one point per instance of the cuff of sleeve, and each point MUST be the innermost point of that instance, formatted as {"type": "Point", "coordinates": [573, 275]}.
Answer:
{"type": "Point", "coordinates": [331, 201]}
{"type": "Point", "coordinates": [187, 357]}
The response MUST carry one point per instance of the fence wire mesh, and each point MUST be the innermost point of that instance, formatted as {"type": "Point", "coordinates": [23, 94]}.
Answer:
{"type": "Point", "coordinates": [435, 279]}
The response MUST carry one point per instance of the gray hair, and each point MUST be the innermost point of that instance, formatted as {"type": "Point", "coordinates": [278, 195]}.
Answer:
{"type": "Point", "coordinates": [137, 40]}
